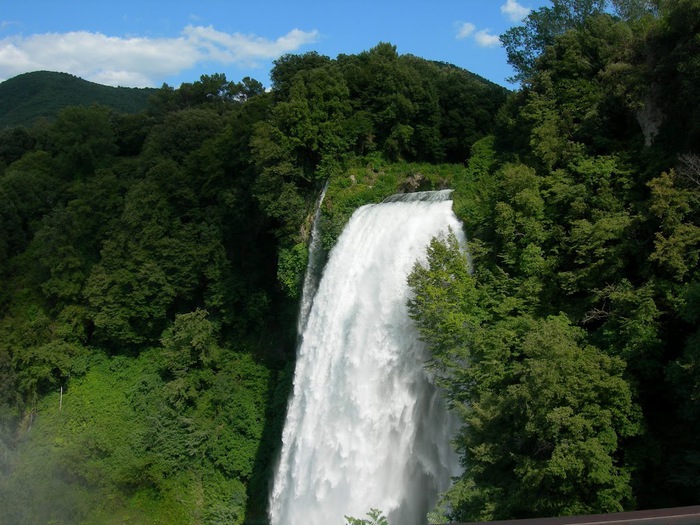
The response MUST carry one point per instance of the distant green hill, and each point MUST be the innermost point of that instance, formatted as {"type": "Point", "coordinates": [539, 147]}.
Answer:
{"type": "Point", "coordinates": [30, 96]}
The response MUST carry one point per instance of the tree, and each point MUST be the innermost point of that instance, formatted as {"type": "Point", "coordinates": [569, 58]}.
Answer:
{"type": "Point", "coordinates": [630, 10]}
{"type": "Point", "coordinates": [28, 189]}
{"type": "Point", "coordinates": [287, 66]}
{"type": "Point", "coordinates": [82, 139]}
{"type": "Point", "coordinates": [14, 143]}
{"type": "Point", "coordinates": [129, 293]}
{"type": "Point", "coordinates": [446, 302]}
{"type": "Point", "coordinates": [180, 133]}
{"type": "Point", "coordinates": [246, 89]}
{"type": "Point", "coordinates": [213, 92]}
{"type": "Point", "coordinates": [301, 143]}
{"type": "Point", "coordinates": [467, 106]}
{"type": "Point", "coordinates": [545, 412]}
{"type": "Point", "coordinates": [400, 99]}
{"type": "Point", "coordinates": [374, 517]}
{"type": "Point", "coordinates": [677, 243]}
{"type": "Point", "coordinates": [525, 43]}
{"type": "Point", "coordinates": [674, 61]}
{"type": "Point", "coordinates": [190, 342]}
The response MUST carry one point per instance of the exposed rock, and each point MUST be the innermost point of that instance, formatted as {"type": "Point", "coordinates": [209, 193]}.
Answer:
{"type": "Point", "coordinates": [412, 183]}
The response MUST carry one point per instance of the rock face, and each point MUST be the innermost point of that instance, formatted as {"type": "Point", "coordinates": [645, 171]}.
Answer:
{"type": "Point", "coordinates": [412, 183]}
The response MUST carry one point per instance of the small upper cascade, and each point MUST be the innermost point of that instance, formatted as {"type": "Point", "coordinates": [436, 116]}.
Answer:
{"type": "Point", "coordinates": [313, 265]}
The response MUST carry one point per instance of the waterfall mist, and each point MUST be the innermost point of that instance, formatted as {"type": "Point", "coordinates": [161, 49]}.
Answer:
{"type": "Point", "coordinates": [365, 425]}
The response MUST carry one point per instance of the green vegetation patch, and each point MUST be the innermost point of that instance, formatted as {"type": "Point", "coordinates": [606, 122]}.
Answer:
{"type": "Point", "coordinates": [371, 180]}
{"type": "Point", "coordinates": [123, 443]}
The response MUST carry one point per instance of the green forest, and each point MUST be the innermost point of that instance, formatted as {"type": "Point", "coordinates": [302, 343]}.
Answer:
{"type": "Point", "coordinates": [29, 98]}
{"type": "Point", "coordinates": [151, 265]}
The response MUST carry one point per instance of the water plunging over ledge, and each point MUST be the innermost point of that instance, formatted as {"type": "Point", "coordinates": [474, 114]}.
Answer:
{"type": "Point", "coordinates": [365, 425]}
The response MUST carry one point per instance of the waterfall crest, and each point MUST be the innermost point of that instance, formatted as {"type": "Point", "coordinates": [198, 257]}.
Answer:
{"type": "Point", "coordinates": [421, 196]}
{"type": "Point", "coordinates": [365, 426]}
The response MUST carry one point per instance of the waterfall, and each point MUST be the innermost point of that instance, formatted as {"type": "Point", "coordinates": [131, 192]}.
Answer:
{"type": "Point", "coordinates": [365, 426]}
{"type": "Point", "coordinates": [313, 269]}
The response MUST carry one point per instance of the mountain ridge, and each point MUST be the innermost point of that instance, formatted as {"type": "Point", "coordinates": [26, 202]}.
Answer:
{"type": "Point", "coordinates": [29, 97]}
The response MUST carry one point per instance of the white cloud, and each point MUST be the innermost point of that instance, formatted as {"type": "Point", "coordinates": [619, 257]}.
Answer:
{"type": "Point", "coordinates": [464, 29]}
{"type": "Point", "coordinates": [482, 37]}
{"type": "Point", "coordinates": [140, 61]}
{"type": "Point", "coordinates": [514, 11]}
{"type": "Point", "coordinates": [485, 39]}
{"type": "Point", "coordinates": [229, 48]}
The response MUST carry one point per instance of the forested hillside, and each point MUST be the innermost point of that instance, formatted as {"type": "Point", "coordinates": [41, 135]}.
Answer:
{"type": "Point", "coordinates": [151, 265]}
{"type": "Point", "coordinates": [26, 98]}
{"type": "Point", "coordinates": [572, 350]}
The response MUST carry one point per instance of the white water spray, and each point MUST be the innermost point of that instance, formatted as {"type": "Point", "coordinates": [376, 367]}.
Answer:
{"type": "Point", "coordinates": [365, 426]}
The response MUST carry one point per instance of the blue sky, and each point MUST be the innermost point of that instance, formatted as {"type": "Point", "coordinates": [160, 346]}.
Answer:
{"type": "Point", "coordinates": [146, 43]}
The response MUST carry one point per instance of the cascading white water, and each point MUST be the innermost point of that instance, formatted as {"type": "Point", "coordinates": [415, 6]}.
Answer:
{"type": "Point", "coordinates": [311, 275]}
{"type": "Point", "coordinates": [365, 426]}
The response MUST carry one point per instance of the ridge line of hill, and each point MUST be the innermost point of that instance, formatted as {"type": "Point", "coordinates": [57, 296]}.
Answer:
{"type": "Point", "coordinates": [29, 97]}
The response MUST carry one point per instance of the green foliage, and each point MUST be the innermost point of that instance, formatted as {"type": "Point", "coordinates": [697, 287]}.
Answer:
{"type": "Point", "coordinates": [374, 517]}
{"type": "Point", "coordinates": [475, 191]}
{"type": "Point", "coordinates": [118, 233]}
{"type": "Point", "coordinates": [190, 342]}
{"type": "Point", "coordinates": [371, 180]}
{"type": "Point", "coordinates": [525, 43]}
{"type": "Point", "coordinates": [68, 241]}
{"type": "Point", "coordinates": [27, 190]}
{"type": "Point", "coordinates": [677, 243]}
{"type": "Point", "coordinates": [180, 133]}
{"type": "Point", "coordinates": [138, 315]}
{"type": "Point", "coordinates": [82, 140]}
{"type": "Point", "coordinates": [291, 268]}
{"type": "Point", "coordinates": [378, 101]}
{"type": "Point", "coordinates": [14, 143]}
{"type": "Point", "coordinates": [544, 411]}
{"type": "Point", "coordinates": [122, 445]}
{"type": "Point", "coordinates": [287, 66]}
{"type": "Point", "coordinates": [28, 97]}
{"type": "Point", "coordinates": [445, 302]}
{"type": "Point", "coordinates": [417, 110]}
{"type": "Point", "coordinates": [677, 64]}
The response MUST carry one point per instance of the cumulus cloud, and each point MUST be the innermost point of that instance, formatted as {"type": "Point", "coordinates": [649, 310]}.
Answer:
{"type": "Point", "coordinates": [485, 39]}
{"type": "Point", "coordinates": [139, 61]}
{"type": "Point", "coordinates": [514, 11]}
{"type": "Point", "coordinates": [464, 29]}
